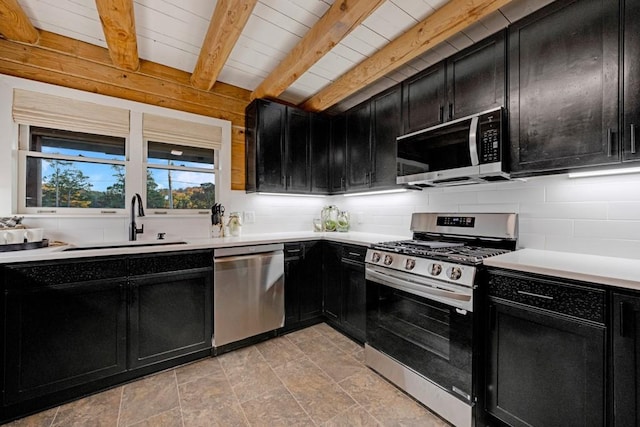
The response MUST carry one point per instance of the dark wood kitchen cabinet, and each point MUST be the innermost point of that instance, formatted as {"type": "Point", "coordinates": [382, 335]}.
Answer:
{"type": "Point", "coordinates": [626, 364]}
{"type": "Point", "coordinates": [344, 287]}
{"type": "Point", "coordinates": [302, 284]}
{"type": "Point", "coordinates": [631, 80]}
{"type": "Point", "coordinates": [277, 145]}
{"type": "Point", "coordinates": [64, 325]}
{"type": "Point", "coordinates": [338, 155]}
{"type": "Point", "coordinates": [170, 307]}
{"type": "Point", "coordinates": [320, 144]}
{"type": "Point", "coordinates": [546, 349]}
{"type": "Point", "coordinates": [73, 327]}
{"type": "Point", "coordinates": [358, 137]}
{"type": "Point", "coordinates": [469, 82]}
{"type": "Point", "coordinates": [386, 114]}
{"type": "Point", "coordinates": [563, 85]}
{"type": "Point", "coordinates": [371, 131]}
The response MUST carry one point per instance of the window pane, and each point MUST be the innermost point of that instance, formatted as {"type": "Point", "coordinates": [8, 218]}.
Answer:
{"type": "Point", "coordinates": [61, 183]}
{"type": "Point", "coordinates": [179, 155]}
{"type": "Point", "coordinates": [53, 141]}
{"type": "Point", "coordinates": [172, 189]}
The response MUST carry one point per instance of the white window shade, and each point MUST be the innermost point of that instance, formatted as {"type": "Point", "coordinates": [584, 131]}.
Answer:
{"type": "Point", "coordinates": [175, 131]}
{"type": "Point", "coordinates": [50, 111]}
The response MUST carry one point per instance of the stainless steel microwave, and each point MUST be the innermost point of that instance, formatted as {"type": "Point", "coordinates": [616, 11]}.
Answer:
{"type": "Point", "coordinates": [464, 151]}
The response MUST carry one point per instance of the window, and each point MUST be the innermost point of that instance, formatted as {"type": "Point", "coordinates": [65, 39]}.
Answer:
{"type": "Point", "coordinates": [65, 169]}
{"type": "Point", "coordinates": [179, 176]}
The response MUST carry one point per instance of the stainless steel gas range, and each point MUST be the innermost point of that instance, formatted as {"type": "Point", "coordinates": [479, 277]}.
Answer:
{"type": "Point", "coordinates": [422, 311]}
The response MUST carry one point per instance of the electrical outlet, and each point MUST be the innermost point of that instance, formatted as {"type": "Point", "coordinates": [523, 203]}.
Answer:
{"type": "Point", "coordinates": [249, 217]}
{"type": "Point", "coordinates": [359, 217]}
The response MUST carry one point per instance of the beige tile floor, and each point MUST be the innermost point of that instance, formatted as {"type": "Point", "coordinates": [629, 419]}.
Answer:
{"type": "Point", "coordinates": [312, 377]}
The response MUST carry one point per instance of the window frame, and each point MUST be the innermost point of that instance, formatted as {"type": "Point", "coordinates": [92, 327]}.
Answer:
{"type": "Point", "coordinates": [24, 152]}
{"type": "Point", "coordinates": [146, 165]}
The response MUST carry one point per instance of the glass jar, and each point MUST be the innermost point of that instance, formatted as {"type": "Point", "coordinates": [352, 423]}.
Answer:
{"type": "Point", "coordinates": [343, 221]}
{"type": "Point", "coordinates": [235, 224]}
{"type": "Point", "coordinates": [329, 216]}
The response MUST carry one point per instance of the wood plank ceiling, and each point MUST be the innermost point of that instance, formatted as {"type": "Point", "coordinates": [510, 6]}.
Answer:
{"type": "Point", "coordinates": [212, 57]}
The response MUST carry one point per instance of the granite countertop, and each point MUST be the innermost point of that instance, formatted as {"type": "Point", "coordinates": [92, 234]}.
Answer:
{"type": "Point", "coordinates": [604, 270]}
{"type": "Point", "coordinates": [58, 252]}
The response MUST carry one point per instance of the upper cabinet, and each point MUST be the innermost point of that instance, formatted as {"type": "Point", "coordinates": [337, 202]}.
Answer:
{"type": "Point", "coordinates": [563, 86]}
{"type": "Point", "coordinates": [338, 155]}
{"type": "Point", "coordinates": [277, 148]}
{"type": "Point", "coordinates": [469, 82]}
{"type": "Point", "coordinates": [631, 79]}
{"type": "Point", "coordinates": [320, 139]}
{"type": "Point", "coordinates": [371, 131]}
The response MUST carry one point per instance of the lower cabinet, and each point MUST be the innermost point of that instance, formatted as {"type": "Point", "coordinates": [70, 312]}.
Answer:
{"type": "Point", "coordinates": [65, 325]}
{"type": "Point", "coordinates": [302, 284]}
{"type": "Point", "coordinates": [546, 352]}
{"type": "Point", "coordinates": [345, 289]}
{"type": "Point", "coordinates": [72, 327]}
{"type": "Point", "coordinates": [170, 313]}
{"type": "Point", "coordinates": [626, 363]}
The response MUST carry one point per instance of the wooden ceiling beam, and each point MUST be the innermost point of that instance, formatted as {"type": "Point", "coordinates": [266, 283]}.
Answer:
{"type": "Point", "coordinates": [227, 22]}
{"type": "Point", "coordinates": [339, 20]}
{"type": "Point", "coordinates": [118, 23]}
{"type": "Point", "coordinates": [450, 19]}
{"type": "Point", "coordinates": [15, 24]}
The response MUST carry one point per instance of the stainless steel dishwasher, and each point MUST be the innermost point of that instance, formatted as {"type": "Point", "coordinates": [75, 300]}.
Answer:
{"type": "Point", "coordinates": [248, 295]}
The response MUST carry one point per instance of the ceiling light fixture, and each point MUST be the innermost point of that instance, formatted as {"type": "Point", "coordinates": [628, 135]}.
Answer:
{"type": "Point", "coordinates": [603, 172]}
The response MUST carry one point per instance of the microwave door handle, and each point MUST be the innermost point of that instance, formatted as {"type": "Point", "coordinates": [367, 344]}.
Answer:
{"type": "Point", "coordinates": [473, 141]}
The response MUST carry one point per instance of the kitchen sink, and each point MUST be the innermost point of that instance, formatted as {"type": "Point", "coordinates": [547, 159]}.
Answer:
{"type": "Point", "coordinates": [117, 245]}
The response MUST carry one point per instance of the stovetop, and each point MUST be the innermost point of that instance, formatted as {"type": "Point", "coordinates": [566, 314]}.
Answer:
{"type": "Point", "coordinates": [441, 250]}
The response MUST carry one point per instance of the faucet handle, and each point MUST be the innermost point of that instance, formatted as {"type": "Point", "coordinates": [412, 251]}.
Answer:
{"type": "Point", "coordinates": [161, 236]}
{"type": "Point", "coordinates": [140, 230]}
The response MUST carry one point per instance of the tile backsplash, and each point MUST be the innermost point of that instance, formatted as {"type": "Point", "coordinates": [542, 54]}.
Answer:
{"type": "Point", "coordinates": [591, 215]}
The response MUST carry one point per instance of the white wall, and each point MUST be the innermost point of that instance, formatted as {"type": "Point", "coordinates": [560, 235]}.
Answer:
{"type": "Point", "coordinates": [591, 215]}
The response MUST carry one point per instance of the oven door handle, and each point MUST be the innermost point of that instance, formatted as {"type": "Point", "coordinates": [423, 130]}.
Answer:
{"type": "Point", "coordinates": [453, 298]}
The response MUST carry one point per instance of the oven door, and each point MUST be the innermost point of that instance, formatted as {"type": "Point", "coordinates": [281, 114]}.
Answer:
{"type": "Point", "coordinates": [425, 334]}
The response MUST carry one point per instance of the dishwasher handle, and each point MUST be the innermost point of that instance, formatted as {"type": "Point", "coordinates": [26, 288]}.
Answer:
{"type": "Point", "coordinates": [247, 250]}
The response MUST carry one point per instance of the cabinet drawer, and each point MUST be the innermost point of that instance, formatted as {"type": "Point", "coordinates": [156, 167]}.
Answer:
{"type": "Point", "coordinates": [171, 261]}
{"type": "Point", "coordinates": [293, 250]}
{"type": "Point", "coordinates": [560, 297]}
{"type": "Point", "coordinates": [36, 274]}
{"type": "Point", "coordinates": [354, 253]}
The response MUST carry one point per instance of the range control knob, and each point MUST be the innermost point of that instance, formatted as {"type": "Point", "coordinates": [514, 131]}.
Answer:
{"type": "Point", "coordinates": [375, 257]}
{"type": "Point", "coordinates": [435, 269]}
{"type": "Point", "coordinates": [454, 273]}
{"type": "Point", "coordinates": [388, 259]}
{"type": "Point", "coordinates": [410, 264]}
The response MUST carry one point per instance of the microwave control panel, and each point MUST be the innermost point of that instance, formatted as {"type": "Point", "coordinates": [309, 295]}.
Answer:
{"type": "Point", "coordinates": [490, 137]}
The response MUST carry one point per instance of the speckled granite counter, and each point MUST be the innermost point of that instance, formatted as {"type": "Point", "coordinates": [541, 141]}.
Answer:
{"type": "Point", "coordinates": [619, 272]}
{"type": "Point", "coordinates": [51, 253]}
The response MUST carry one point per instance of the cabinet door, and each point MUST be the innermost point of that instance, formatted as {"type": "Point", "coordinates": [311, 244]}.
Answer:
{"type": "Point", "coordinates": [564, 86]}
{"type": "Point", "coordinates": [476, 78]}
{"type": "Point", "coordinates": [332, 278]}
{"type": "Point", "coordinates": [423, 98]}
{"type": "Point", "coordinates": [538, 361]}
{"type": "Point", "coordinates": [626, 364]}
{"type": "Point", "coordinates": [311, 289]}
{"type": "Point", "coordinates": [320, 146]}
{"type": "Point", "coordinates": [354, 308]}
{"type": "Point", "coordinates": [338, 155]}
{"type": "Point", "coordinates": [631, 76]}
{"type": "Point", "coordinates": [170, 315]}
{"type": "Point", "coordinates": [61, 332]}
{"type": "Point", "coordinates": [359, 147]}
{"type": "Point", "coordinates": [293, 253]}
{"type": "Point", "coordinates": [270, 153]}
{"type": "Point", "coordinates": [298, 174]}
{"type": "Point", "coordinates": [386, 114]}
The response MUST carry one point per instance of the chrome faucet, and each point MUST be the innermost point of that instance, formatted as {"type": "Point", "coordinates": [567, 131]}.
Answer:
{"type": "Point", "coordinates": [133, 228]}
